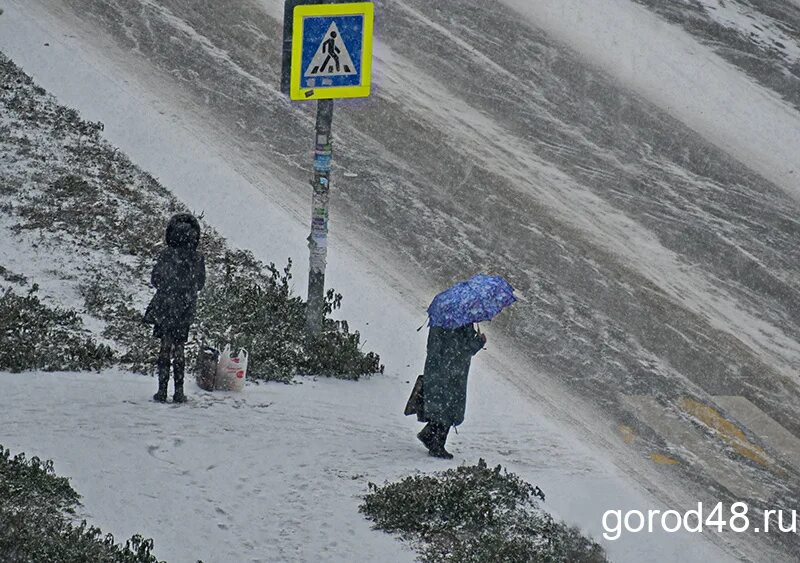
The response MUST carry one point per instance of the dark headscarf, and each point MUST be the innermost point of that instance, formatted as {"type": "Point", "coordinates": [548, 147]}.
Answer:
{"type": "Point", "coordinates": [183, 231]}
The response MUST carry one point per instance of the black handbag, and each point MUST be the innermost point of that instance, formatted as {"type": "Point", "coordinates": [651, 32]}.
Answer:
{"type": "Point", "coordinates": [149, 317]}
{"type": "Point", "coordinates": [416, 402]}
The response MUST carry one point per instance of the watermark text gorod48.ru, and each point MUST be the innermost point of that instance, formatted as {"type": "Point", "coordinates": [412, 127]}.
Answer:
{"type": "Point", "coordinates": [739, 518]}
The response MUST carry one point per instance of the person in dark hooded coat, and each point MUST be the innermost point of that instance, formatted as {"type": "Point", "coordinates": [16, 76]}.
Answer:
{"type": "Point", "coordinates": [449, 355]}
{"type": "Point", "coordinates": [178, 275]}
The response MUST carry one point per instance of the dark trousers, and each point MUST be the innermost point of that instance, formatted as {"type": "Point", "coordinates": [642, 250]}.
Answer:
{"type": "Point", "coordinates": [171, 350]}
{"type": "Point", "coordinates": [438, 434]}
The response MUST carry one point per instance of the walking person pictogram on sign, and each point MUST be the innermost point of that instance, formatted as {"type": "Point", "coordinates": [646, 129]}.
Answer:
{"type": "Point", "coordinates": [329, 45]}
{"type": "Point", "coordinates": [332, 57]}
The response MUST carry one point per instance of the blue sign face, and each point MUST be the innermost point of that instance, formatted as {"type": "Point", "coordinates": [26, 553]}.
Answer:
{"type": "Point", "coordinates": [327, 50]}
{"type": "Point", "coordinates": [332, 51]}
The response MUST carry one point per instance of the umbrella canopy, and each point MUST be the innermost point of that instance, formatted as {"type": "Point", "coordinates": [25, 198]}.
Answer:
{"type": "Point", "coordinates": [477, 299]}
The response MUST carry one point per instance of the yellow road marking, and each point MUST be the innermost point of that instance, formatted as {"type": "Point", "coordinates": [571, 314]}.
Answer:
{"type": "Point", "coordinates": [762, 425]}
{"type": "Point", "coordinates": [663, 459]}
{"type": "Point", "coordinates": [628, 434]}
{"type": "Point", "coordinates": [726, 429]}
{"type": "Point", "coordinates": [679, 433]}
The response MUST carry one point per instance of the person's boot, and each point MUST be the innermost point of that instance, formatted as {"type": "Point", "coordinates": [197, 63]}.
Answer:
{"type": "Point", "coordinates": [163, 381]}
{"type": "Point", "coordinates": [178, 396]}
{"type": "Point", "coordinates": [426, 436]}
{"type": "Point", "coordinates": [438, 441]}
{"type": "Point", "coordinates": [440, 452]}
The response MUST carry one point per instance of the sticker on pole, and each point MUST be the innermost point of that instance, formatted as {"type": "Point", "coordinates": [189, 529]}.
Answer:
{"type": "Point", "coordinates": [331, 53]}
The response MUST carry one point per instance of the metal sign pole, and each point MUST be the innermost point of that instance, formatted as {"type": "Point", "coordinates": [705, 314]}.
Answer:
{"type": "Point", "coordinates": [327, 54]}
{"type": "Point", "coordinates": [318, 239]}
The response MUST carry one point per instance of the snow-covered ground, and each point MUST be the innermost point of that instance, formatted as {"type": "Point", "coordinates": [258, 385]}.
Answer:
{"type": "Point", "coordinates": [276, 473]}
{"type": "Point", "coordinates": [554, 440]}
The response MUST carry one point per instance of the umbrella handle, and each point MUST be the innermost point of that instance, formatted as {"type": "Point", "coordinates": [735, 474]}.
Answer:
{"type": "Point", "coordinates": [478, 328]}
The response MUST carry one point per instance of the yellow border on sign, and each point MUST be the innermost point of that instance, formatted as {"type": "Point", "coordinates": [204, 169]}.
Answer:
{"type": "Point", "coordinates": [353, 9]}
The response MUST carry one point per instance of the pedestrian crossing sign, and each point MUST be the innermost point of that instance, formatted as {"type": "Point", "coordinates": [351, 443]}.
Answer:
{"type": "Point", "coordinates": [331, 51]}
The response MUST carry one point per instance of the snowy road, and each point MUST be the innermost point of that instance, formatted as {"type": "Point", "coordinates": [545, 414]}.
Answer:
{"type": "Point", "coordinates": [656, 269]}
{"type": "Point", "coordinates": [683, 78]}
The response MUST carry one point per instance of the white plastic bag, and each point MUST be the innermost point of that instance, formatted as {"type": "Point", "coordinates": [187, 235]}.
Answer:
{"type": "Point", "coordinates": [231, 370]}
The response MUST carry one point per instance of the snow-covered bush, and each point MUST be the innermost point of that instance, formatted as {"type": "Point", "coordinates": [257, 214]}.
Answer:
{"type": "Point", "coordinates": [252, 307]}
{"type": "Point", "coordinates": [36, 520]}
{"type": "Point", "coordinates": [475, 513]}
{"type": "Point", "coordinates": [106, 299]}
{"type": "Point", "coordinates": [34, 335]}
{"type": "Point", "coordinates": [76, 195]}
{"type": "Point", "coordinates": [245, 304]}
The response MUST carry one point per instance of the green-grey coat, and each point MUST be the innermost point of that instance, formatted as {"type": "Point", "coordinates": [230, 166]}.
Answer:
{"type": "Point", "coordinates": [450, 352]}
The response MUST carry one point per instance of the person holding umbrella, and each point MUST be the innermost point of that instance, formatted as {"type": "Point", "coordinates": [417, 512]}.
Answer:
{"type": "Point", "coordinates": [440, 394]}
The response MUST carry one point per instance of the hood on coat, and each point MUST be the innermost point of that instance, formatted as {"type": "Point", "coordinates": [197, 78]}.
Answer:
{"type": "Point", "coordinates": [183, 231]}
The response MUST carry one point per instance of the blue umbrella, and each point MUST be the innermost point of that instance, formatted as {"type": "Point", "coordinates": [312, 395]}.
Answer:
{"type": "Point", "coordinates": [478, 299]}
